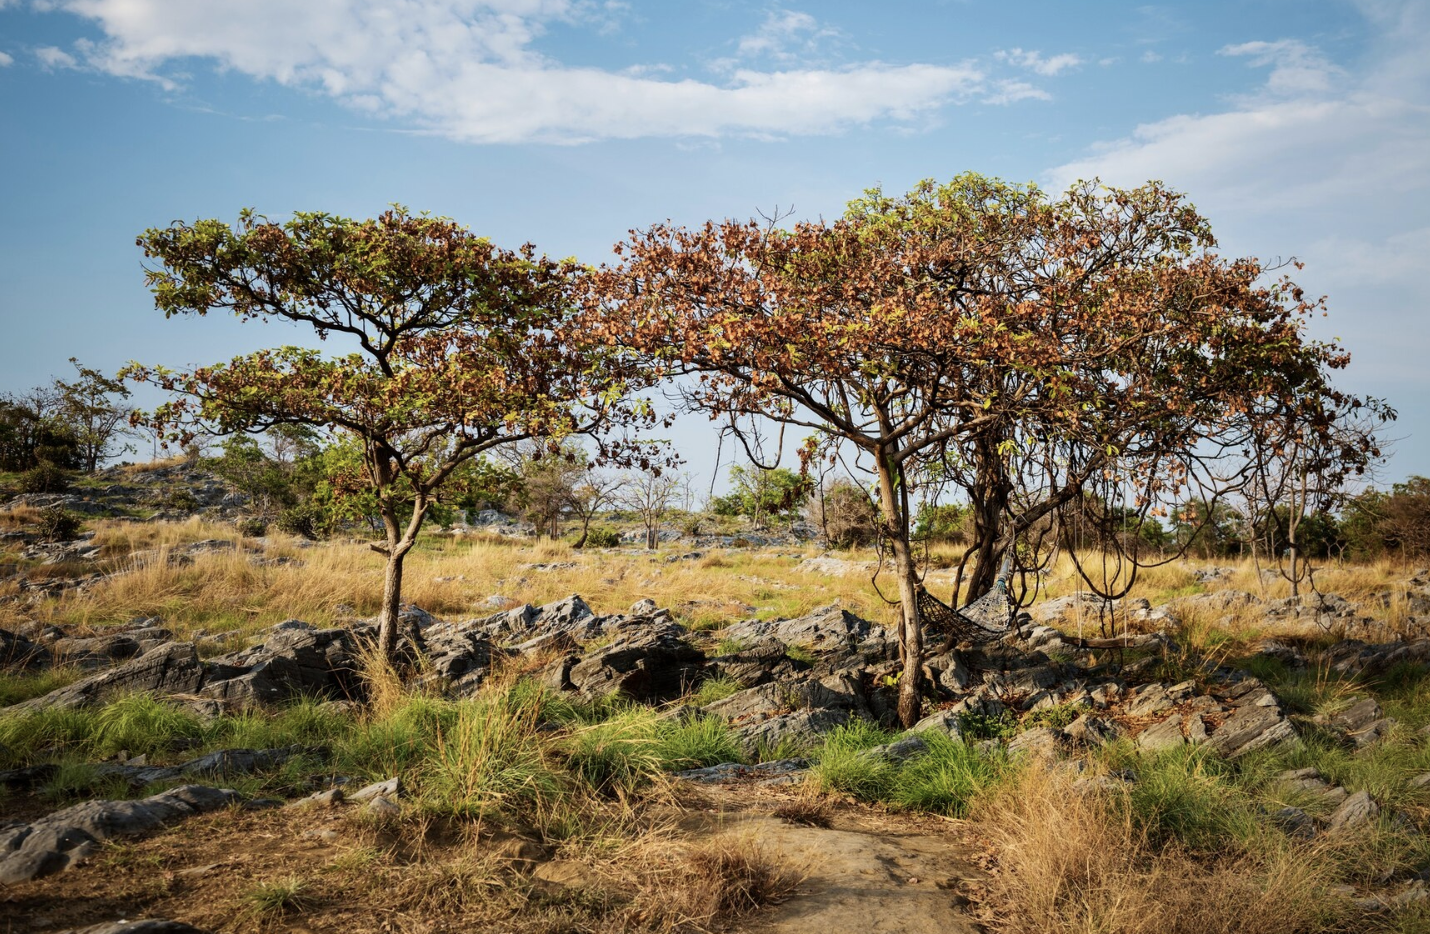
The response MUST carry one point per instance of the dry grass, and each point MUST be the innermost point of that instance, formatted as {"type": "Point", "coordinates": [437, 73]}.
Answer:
{"type": "Point", "coordinates": [1072, 861]}
{"type": "Point", "coordinates": [151, 466]}
{"type": "Point", "coordinates": [702, 884]}
{"type": "Point", "coordinates": [17, 518]}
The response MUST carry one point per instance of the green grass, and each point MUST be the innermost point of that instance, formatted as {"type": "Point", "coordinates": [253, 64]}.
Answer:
{"type": "Point", "coordinates": [19, 686]}
{"type": "Point", "coordinates": [278, 897]}
{"type": "Point", "coordinates": [801, 653]}
{"type": "Point", "coordinates": [715, 689]}
{"type": "Point", "coordinates": [944, 779]}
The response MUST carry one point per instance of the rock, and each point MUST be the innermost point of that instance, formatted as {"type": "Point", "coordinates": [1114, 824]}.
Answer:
{"type": "Point", "coordinates": [1355, 657]}
{"type": "Point", "coordinates": [1089, 730]}
{"type": "Point", "coordinates": [58, 841]}
{"type": "Point", "coordinates": [139, 926]}
{"type": "Point", "coordinates": [1147, 701]}
{"type": "Point", "coordinates": [837, 692]}
{"type": "Point", "coordinates": [829, 630]}
{"type": "Point", "coordinates": [727, 772]}
{"type": "Point", "coordinates": [653, 665]}
{"type": "Point", "coordinates": [1357, 810]}
{"type": "Point", "coordinates": [835, 567]}
{"type": "Point", "coordinates": [1419, 781]}
{"type": "Point", "coordinates": [1160, 736]}
{"type": "Point", "coordinates": [643, 607]}
{"type": "Point", "coordinates": [1040, 742]}
{"type": "Point", "coordinates": [172, 669]}
{"type": "Point", "coordinates": [20, 653]}
{"type": "Point", "coordinates": [802, 729]}
{"type": "Point", "coordinates": [225, 762]}
{"type": "Point", "coordinates": [757, 664]}
{"type": "Point", "coordinates": [1294, 821]}
{"type": "Point", "coordinates": [1252, 727]}
{"type": "Point", "coordinates": [391, 788]}
{"type": "Point", "coordinates": [292, 663]}
{"type": "Point", "coordinates": [380, 806]}
{"type": "Point", "coordinates": [1362, 722]}
{"type": "Point", "coordinates": [940, 721]}
{"type": "Point", "coordinates": [897, 751]}
{"type": "Point", "coordinates": [328, 797]}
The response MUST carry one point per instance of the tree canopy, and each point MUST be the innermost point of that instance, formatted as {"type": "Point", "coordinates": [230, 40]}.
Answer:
{"type": "Point", "coordinates": [454, 346]}
{"type": "Point", "coordinates": [984, 334]}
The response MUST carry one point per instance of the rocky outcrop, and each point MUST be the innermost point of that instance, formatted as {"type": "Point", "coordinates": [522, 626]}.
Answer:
{"type": "Point", "coordinates": [296, 661]}
{"type": "Point", "coordinates": [648, 664]}
{"type": "Point", "coordinates": [171, 669]}
{"type": "Point", "coordinates": [58, 841]}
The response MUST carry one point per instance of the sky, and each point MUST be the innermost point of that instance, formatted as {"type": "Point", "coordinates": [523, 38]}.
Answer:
{"type": "Point", "coordinates": [1300, 128]}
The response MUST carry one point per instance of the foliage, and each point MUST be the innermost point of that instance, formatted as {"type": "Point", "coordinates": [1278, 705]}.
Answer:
{"type": "Point", "coordinates": [763, 495]}
{"type": "Point", "coordinates": [453, 347]}
{"type": "Point", "coordinates": [33, 434]}
{"type": "Point", "coordinates": [93, 408]}
{"type": "Point", "coordinates": [984, 335]}
{"type": "Point", "coordinates": [947, 522]}
{"type": "Point", "coordinates": [602, 536]}
{"type": "Point", "coordinates": [45, 478]}
{"type": "Point", "coordinates": [57, 524]}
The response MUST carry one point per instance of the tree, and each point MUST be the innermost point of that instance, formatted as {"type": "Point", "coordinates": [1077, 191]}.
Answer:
{"type": "Point", "coordinates": [547, 494]}
{"type": "Point", "coordinates": [32, 433]}
{"type": "Point", "coordinates": [453, 347]}
{"type": "Point", "coordinates": [650, 494]}
{"type": "Point", "coordinates": [973, 330]}
{"type": "Point", "coordinates": [597, 491]}
{"type": "Point", "coordinates": [763, 494]}
{"type": "Point", "coordinates": [93, 408]}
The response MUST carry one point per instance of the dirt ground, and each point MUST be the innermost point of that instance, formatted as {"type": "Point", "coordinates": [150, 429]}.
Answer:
{"type": "Point", "coordinates": [860, 869]}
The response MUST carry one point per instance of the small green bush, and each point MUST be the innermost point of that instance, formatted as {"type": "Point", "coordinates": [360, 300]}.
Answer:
{"type": "Point", "coordinates": [301, 520]}
{"type": "Point", "coordinates": [603, 536]}
{"type": "Point", "coordinates": [251, 526]}
{"type": "Point", "coordinates": [45, 478]}
{"type": "Point", "coordinates": [58, 525]}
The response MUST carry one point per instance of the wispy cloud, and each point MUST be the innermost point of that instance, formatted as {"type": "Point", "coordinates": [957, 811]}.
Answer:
{"type": "Point", "coordinates": [469, 69]}
{"type": "Point", "coordinates": [1035, 62]}
{"type": "Point", "coordinates": [53, 57]}
{"type": "Point", "coordinates": [6, 60]}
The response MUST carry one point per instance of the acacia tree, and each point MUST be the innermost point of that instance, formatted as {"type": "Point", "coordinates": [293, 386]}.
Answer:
{"type": "Point", "coordinates": [959, 325]}
{"type": "Point", "coordinates": [93, 408]}
{"type": "Point", "coordinates": [456, 347]}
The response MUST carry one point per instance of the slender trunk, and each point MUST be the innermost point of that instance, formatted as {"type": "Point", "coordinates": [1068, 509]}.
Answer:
{"type": "Point", "coordinates": [990, 501]}
{"type": "Point", "coordinates": [391, 606]}
{"type": "Point", "coordinates": [893, 496]}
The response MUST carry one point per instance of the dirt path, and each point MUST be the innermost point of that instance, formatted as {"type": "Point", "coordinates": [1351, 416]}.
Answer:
{"type": "Point", "coordinates": [866, 872]}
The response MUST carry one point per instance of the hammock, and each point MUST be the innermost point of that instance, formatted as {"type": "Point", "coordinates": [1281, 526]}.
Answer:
{"type": "Point", "coordinates": [987, 619]}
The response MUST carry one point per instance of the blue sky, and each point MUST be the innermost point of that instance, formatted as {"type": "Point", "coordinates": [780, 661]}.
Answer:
{"type": "Point", "coordinates": [1299, 127]}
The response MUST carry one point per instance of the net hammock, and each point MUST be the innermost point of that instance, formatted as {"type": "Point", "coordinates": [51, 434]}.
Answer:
{"type": "Point", "coordinates": [987, 619]}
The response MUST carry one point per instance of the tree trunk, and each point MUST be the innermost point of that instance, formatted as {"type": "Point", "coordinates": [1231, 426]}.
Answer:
{"type": "Point", "coordinates": [391, 606]}
{"type": "Point", "coordinates": [893, 496]}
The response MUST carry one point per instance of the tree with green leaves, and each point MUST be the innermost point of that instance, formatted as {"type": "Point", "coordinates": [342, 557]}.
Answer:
{"type": "Point", "coordinates": [93, 406]}
{"type": "Point", "coordinates": [447, 346]}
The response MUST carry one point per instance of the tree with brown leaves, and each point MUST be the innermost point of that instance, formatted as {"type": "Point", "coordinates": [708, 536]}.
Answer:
{"type": "Point", "coordinates": [965, 328]}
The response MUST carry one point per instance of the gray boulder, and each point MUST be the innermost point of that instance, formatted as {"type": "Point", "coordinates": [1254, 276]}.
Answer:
{"type": "Point", "coordinates": [1356, 811]}
{"type": "Point", "coordinates": [171, 669]}
{"type": "Point", "coordinates": [292, 663]}
{"type": "Point", "coordinates": [58, 841]}
{"type": "Point", "coordinates": [652, 665]}
{"type": "Point", "coordinates": [797, 731]}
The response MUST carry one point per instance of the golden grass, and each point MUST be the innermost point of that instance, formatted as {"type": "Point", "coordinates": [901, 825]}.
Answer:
{"type": "Point", "coordinates": [1071, 862]}
{"type": "Point", "coordinates": [150, 466]}
{"type": "Point", "coordinates": [249, 586]}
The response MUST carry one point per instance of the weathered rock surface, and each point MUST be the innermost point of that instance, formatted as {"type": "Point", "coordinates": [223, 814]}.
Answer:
{"type": "Point", "coordinates": [58, 841]}
{"type": "Point", "coordinates": [139, 926]}
{"type": "Point", "coordinates": [651, 665]}
{"type": "Point", "coordinates": [831, 630]}
{"type": "Point", "coordinates": [171, 669]}
{"type": "Point", "coordinates": [291, 663]}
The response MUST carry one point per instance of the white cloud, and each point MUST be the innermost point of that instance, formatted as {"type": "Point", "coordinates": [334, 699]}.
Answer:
{"type": "Point", "coordinates": [1327, 163]}
{"type": "Point", "coordinates": [1149, 57]}
{"type": "Point", "coordinates": [467, 68]}
{"type": "Point", "coordinates": [1034, 61]}
{"type": "Point", "coordinates": [1297, 67]}
{"type": "Point", "coordinates": [52, 57]}
{"type": "Point", "coordinates": [6, 60]}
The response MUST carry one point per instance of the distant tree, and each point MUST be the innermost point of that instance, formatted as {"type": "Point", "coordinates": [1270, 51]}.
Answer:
{"type": "Point", "coordinates": [454, 347]}
{"type": "Point", "coordinates": [651, 495]}
{"type": "Point", "coordinates": [596, 492]}
{"type": "Point", "coordinates": [547, 493]}
{"type": "Point", "coordinates": [1026, 346]}
{"type": "Point", "coordinates": [763, 495]}
{"type": "Point", "coordinates": [94, 408]}
{"type": "Point", "coordinates": [34, 434]}
{"type": "Point", "coordinates": [844, 514]}
{"type": "Point", "coordinates": [1405, 518]}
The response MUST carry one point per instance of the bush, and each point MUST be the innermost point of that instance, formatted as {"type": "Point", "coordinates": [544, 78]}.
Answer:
{"type": "Point", "coordinates": [299, 520]}
{"type": "Point", "coordinates": [57, 525]}
{"type": "Point", "coordinates": [251, 526]}
{"type": "Point", "coordinates": [603, 537]}
{"type": "Point", "coordinates": [942, 523]}
{"type": "Point", "coordinates": [45, 478]}
{"type": "Point", "coordinates": [844, 514]}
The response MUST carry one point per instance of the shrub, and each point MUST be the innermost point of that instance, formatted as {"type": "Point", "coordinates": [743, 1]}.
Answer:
{"type": "Point", "coordinates": [603, 536]}
{"type": "Point", "coordinates": [301, 520]}
{"type": "Point", "coordinates": [251, 526]}
{"type": "Point", "coordinates": [57, 525]}
{"type": "Point", "coordinates": [844, 514]}
{"type": "Point", "coordinates": [45, 478]}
